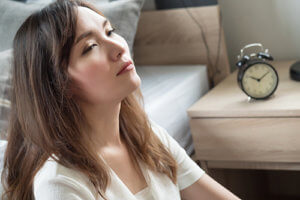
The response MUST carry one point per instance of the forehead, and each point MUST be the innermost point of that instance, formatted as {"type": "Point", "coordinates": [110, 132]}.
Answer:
{"type": "Point", "coordinates": [87, 18]}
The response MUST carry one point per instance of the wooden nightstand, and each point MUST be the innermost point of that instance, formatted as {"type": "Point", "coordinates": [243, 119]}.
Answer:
{"type": "Point", "coordinates": [231, 132]}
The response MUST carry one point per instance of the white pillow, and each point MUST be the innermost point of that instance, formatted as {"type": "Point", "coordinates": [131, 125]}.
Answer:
{"type": "Point", "coordinates": [3, 145]}
{"type": "Point", "coordinates": [5, 86]}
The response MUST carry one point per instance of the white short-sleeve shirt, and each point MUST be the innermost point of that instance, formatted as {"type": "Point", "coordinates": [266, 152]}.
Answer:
{"type": "Point", "coordinates": [54, 181]}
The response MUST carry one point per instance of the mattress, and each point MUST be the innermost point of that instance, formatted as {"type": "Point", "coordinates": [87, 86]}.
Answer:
{"type": "Point", "coordinates": [169, 90]}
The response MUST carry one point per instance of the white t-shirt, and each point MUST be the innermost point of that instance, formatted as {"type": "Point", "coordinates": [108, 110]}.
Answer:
{"type": "Point", "coordinates": [144, 194]}
{"type": "Point", "coordinates": [54, 181]}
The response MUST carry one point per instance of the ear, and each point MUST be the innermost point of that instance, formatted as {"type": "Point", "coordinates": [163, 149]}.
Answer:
{"type": "Point", "coordinates": [73, 74]}
{"type": "Point", "coordinates": [72, 85]}
{"type": "Point", "coordinates": [71, 71]}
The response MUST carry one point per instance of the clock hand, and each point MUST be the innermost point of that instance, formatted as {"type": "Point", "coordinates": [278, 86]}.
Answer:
{"type": "Point", "coordinates": [253, 78]}
{"type": "Point", "coordinates": [263, 75]}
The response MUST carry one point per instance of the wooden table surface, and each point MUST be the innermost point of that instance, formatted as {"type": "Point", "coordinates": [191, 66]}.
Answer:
{"type": "Point", "coordinates": [228, 100]}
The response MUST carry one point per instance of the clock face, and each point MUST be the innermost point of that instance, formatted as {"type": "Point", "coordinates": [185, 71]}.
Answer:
{"type": "Point", "coordinates": [259, 80]}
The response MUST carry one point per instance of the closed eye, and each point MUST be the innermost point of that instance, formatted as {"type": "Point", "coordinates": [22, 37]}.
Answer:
{"type": "Point", "coordinates": [93, 45]}
{"type": "Point", "coordinates": [110, 32]}
{"type": "Point", "coordinates": [88, 48]}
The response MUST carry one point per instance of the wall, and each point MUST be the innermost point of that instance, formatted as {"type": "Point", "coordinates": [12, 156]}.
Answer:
{"type": "Point", "coordinates": [274, 23]}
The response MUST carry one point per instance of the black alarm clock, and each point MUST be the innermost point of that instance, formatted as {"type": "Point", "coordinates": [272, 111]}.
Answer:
{"type": "Point", "coordinates": [257, 78]}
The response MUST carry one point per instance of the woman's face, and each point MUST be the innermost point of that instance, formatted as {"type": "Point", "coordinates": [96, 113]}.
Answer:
{"type": "Point", "coordinates": [96, 58]}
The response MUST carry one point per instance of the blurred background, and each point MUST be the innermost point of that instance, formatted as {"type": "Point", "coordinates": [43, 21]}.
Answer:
{"type": "Point", "coordinates": [181, 56]}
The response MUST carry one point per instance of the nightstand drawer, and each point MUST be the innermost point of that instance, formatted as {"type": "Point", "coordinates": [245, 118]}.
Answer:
{"type": "Point", "coordinates": [247, 139]}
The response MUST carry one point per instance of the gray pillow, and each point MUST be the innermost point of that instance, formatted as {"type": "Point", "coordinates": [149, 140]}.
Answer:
{"type": "Point", "coordinates": [5, 86]}
{"type": "Point", "coordinates": [123, 14]}
{"type": "Point", "coordinates": [12, 14]}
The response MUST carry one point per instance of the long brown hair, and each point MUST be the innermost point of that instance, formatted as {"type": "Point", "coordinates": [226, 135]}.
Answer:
{"type": "Point", "coordinates": [45, 118]}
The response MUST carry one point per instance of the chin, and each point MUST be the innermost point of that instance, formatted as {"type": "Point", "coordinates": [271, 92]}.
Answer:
{"type": "Point", "coordinates": [133, 84]}
{"type": "Point", "coordinates": [136, 83]}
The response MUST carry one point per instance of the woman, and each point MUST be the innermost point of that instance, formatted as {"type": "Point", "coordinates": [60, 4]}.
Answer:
{"type": "Point", "coordinates": [77, 130]}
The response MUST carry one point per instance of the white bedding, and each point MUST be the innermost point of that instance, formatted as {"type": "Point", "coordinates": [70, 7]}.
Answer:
{"type": "Point", "coordinates": [169, 90]}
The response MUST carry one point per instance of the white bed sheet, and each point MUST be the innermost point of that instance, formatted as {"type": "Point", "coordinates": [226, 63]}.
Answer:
{"type": "Point", "coordinates": [169, 90]}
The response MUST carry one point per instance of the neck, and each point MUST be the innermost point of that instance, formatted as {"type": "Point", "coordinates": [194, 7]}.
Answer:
{"type": "Point", "coordinates": [104, 124]}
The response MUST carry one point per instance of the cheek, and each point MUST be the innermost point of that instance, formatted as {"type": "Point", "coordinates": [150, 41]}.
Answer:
{"type": "Point", "coordinates": [93, 70]}
{"type": "Point", "coordinates": [91, 74]}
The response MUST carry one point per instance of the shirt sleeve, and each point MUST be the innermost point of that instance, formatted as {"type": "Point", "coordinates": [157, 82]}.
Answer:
{"type": "Point", "coordinates": [61, 188]}
{"type": "Point", "coordinates": [188, 171]}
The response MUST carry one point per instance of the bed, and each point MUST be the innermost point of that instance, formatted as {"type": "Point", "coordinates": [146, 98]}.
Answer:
{"type": "Point", "coordinates": [168, 91]}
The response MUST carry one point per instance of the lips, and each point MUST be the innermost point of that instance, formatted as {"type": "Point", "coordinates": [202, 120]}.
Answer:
{"type": "Point", "coordinates": [124, 66]}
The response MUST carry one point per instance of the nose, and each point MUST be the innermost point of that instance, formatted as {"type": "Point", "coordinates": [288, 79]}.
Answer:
{"type": "Point", "coordinates": [115, 49]}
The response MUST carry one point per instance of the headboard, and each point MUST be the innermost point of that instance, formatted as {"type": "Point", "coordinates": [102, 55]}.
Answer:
{"type": "Point", "coordinates": [171, 37]}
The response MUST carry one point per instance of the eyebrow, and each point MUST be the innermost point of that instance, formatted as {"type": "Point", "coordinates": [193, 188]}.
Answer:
{"type": "Point", "coordinates": [89, 33]}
